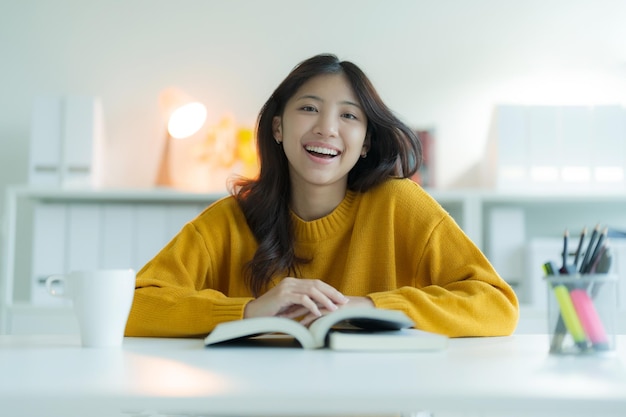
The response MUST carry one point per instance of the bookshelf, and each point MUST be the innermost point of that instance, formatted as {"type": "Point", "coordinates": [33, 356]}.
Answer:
{"type": "Point", "coordinates": [48, 231]}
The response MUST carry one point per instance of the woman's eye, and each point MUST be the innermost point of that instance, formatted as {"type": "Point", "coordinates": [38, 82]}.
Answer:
{"type": "Point", "coordinates": [349, 116]}
{"type": "Point", "coordinates": [307, 108]}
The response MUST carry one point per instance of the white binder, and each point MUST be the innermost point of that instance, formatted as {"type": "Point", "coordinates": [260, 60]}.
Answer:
{"type": "Point", "coordinates": [45, 141]}
{"type": "Point", "coordinates": [65, 131]}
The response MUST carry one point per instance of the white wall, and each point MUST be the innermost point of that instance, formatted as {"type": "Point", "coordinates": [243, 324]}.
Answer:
{"type": "Point", "coordinates": [439, 63]}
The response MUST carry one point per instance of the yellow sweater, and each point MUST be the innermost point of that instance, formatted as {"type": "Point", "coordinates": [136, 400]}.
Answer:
{"type": "Point", "coordinates": [394, 244]}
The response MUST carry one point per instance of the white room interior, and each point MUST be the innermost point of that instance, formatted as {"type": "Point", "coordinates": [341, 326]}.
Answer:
{"type": "Point", "coordinates": [440, 64]}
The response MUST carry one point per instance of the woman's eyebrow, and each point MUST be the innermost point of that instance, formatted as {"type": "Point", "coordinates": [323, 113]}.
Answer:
{"type": "Point", "coordinates": [317, 98]}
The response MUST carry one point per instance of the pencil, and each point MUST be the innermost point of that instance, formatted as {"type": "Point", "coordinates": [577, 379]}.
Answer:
{"type": "Point", "coordinates": [593, 265]}
{"type": "Point", "coordinates": [563, 269]}
{"type": "Point", "coordinates": [579, 248]}
{"type": "Point", "coordinates": [596, 251]}
{"type": "Point", "coordinates": [588, 252]}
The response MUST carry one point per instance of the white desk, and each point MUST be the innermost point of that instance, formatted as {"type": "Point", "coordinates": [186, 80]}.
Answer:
{"type": "Point", "coordinates": [52, 376]}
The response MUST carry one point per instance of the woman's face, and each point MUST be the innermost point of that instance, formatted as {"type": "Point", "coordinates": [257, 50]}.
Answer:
{"type": "Point", "coordinates": [322, 130]}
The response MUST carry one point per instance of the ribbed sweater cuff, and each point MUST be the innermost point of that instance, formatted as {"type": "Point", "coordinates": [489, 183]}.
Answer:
{"type": "Point", "coordinates": [228, 309]}
{"type": "Point", "coordinates": [388, 300]}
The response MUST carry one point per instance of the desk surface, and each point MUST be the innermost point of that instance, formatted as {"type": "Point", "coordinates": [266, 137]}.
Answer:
{"type": "Point", "coordinates": [53, 375]}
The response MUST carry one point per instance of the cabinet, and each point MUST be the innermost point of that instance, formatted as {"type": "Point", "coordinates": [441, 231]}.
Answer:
{"type": "Point", "coordinates": [49, 231]}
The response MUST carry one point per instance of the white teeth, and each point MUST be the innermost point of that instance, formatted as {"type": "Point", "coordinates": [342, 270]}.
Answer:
{"type": "Point", "coordinates": [319, 149]}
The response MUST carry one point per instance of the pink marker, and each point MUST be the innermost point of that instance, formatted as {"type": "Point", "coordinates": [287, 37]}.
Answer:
{"type": "Point", "coordinates": [589, 319]}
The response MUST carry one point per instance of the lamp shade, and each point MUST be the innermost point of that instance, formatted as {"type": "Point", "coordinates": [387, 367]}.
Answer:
{"type": "Point", "coordinates": [183, 117]}
{"type": "Point", "coordinates": [186, 120]}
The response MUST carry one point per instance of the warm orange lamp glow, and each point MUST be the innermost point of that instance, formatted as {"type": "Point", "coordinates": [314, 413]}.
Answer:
{"type": "Point", "coordinates": [184, 118]}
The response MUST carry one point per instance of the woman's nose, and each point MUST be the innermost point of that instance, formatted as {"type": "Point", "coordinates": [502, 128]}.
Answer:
{"type": "Point", "coordinates": [326, 126]}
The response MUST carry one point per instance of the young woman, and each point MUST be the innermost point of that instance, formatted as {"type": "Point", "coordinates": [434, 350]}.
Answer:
{"type": "Point", "coordinates": [331, 222]}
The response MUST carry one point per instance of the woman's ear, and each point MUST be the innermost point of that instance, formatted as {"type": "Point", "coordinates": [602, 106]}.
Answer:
{"type": "Point", "coordinates": [366, 145]}
{"type": "Point", "coordinates": [277, 130]}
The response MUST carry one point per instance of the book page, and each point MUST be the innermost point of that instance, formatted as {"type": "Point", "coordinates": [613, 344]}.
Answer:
{"type": "Point", "coordinates": [362, 317]}
{"type": "Point", "coordinates": [238, 329]}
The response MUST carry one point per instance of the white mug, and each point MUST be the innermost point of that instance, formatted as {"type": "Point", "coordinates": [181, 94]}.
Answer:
{"type": "Point", "coordinates": [102, 301]}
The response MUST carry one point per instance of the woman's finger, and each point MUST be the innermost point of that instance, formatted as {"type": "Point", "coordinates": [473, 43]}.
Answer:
{"type": "Point", "coordinates": [321, 299]}
{"type": "Point", "coordinates": [335, 296]}
{"type": "Point", "coordinates": [322, 293]}
{"type": "Point", "coordinates": [293, 312]}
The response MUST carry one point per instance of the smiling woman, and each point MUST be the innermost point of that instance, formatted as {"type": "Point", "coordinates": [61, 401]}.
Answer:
{"type": "Point", "coordinates": [323, 133]}
{"type": "Point", "coordinates": [332, 221]}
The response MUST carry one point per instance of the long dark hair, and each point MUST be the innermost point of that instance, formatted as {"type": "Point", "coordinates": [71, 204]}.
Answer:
{"type": "Point", "coordinates": [394, 151]}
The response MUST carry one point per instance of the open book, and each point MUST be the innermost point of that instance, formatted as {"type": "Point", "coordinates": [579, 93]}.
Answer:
{"type": "Point", "coordinates": [358, 328]}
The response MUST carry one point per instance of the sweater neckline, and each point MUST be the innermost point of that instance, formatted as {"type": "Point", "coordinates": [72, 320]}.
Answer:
{"type": "Point", "coordinates": [329, 225]}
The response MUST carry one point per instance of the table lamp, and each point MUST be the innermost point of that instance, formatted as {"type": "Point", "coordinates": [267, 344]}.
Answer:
{"type": "Point", "coordinates": [184, 117]}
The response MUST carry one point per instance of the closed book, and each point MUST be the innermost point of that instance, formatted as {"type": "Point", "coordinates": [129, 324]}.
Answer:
{"type": "Point", "coordinates": [390, 340]}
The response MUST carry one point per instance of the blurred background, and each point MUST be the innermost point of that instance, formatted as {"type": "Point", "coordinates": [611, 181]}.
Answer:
{"type": "Point", "coordinates": [440, 64]}
{"type": "Point", "coordinates": [507, 95]}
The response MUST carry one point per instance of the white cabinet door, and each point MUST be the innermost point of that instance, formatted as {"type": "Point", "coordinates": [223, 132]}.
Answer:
{"type": "Point", "coordinates": [83, 240]}
{"type": "Point", "coordinates": [150, 232]}
{"type": "Point", "coordinates": [117, 236]}
{"type": "Point", "coordinates": [49, 250]}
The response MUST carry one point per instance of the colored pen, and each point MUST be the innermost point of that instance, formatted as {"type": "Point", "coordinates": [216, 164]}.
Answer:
{"type": "Point", "coordinates": [559, 331]}
{"type": "Point", "coordinates": [548, 268]}
{"type": "Point", "coordinates": [570, 318]}
{"type": "Point", "coordinates": [589, 319]}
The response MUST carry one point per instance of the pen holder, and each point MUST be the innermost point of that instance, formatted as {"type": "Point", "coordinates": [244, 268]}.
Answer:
{"type": "Point", "coordinates": [582, 313]}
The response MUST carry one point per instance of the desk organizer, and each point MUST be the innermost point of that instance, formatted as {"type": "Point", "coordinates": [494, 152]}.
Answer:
{"type": "Point", "coordinates": [582, 313]}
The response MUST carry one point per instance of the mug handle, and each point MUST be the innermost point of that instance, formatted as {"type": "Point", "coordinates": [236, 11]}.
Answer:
{"type": "Point", "coordinates": [53, 291]}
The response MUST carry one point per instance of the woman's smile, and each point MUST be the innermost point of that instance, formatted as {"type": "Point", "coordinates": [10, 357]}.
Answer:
{"type": "Point", "coordinates": [323, 152]}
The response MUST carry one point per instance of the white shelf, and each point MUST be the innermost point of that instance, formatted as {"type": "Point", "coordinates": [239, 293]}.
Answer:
{"type": "Point", "coordinates": [157, 194]}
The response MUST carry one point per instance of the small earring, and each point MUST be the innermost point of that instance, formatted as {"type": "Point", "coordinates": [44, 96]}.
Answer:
{"type": "Point", "coordinates": [364, 155]}
{"type": "Point", "coordinates": [278, 142]}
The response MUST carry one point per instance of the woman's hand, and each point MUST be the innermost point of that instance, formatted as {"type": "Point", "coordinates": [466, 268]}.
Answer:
{"type": "Point", "coordinates": [293, 297]}
{"type": "Point", "coordinates": [352, 302]}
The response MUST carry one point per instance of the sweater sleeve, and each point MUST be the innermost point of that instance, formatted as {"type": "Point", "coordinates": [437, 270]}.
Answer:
{"type": "Point", "coordinates": [455, 291]}
{"type": "Point", "coordinates": [175, 293]}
